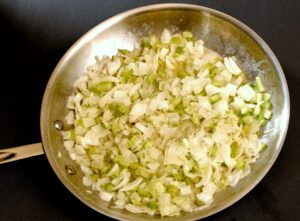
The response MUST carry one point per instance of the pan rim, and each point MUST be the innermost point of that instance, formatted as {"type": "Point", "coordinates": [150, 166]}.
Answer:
{"type": "Point", "coordinates": [169, 6]}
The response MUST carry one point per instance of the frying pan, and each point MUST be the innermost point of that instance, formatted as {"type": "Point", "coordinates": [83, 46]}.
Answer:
{"type": "Point", "coordinates": [220, 32]}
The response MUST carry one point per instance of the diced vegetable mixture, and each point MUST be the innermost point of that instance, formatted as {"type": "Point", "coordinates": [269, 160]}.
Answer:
{"type": "Point", "coordinates": [162, 128]}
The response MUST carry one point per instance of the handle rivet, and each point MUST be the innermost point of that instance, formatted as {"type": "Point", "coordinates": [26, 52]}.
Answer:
{"type": "Point", "coordinates": [70, 170]}
{"type": "Point", "coordinates": [58, 125]}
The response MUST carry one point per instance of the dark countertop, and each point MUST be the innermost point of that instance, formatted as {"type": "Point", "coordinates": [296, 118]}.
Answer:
{"type": "Point", "coordinates": [35, 35]}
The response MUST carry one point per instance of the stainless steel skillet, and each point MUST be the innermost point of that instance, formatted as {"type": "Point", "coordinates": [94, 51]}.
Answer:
{"type": "Point", "coordinates": [220, 32]}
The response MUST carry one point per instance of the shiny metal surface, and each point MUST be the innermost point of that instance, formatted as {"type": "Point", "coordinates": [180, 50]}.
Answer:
{"type": "Point", "coordinates": [220, 32]}
{"type": "Point", "coordinates": [21, 152]}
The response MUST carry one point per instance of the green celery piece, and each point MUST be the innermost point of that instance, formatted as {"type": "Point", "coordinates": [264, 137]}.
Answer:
{"type": "Point", "coordinates": [135, 166]}
{"type": "Point", "coordinates": [134, 97]}
{"type": "Point", "coordinates": [152, 205]}
{"type": "Point", "coordinates": [145, 43]}
{"type": "Point", "coordinates": [128, 77]}
{"type": "Point", "coordinates": [182, 74]}
{"type": "Point", "coordinates": [218, 83]}
{"type": "Point", "coordinates": [259, 84]}
{"type": "Point", "coordinates": [102, 87]}
{"type": "Point", "coordinates": [151, 78]}
{"type": "Point", "coordinates": [195, 169]}
{"type": "Point", "coordinates": [263, 148]}
{"type": "Point", "coordinates": [121, 161]}
{"type": "Point", "coordinates": [267, 96]}
{"type": "Point", "coordinates": [179, 175]}
{"type": "Point", "coordinates": [188, 36]}
{"type": "Point", "coordinates": [132, 141]}
{"type": "Point", "coordinates": [261, 119]}
{"type": "Point", "coordinates": [247, 119]}
{"type": "Point", "coordinates": [196, 119]}
{"type": "Point", "coordinates": [208, 66]}
{"type": "Point", "coordinates": [161, 74]}
{"type": "Point", "coordinates": [175, 101]}
{"type": "Point", "coordinates": [144, 192]}
{"type": "Point", "coordinates": [198, 202]}
{"type": "Point", "coordinates": [267, 105]}
{"type": "Point", "coordinates": [157, 45]}
{"type": "Point", "coordinates": [176, 39]}
{"type": "Point", "coordinates": [178, 51]}
{"type": "Point", "coordinates": [79, 122]}
{"type": "Point", "coordinates": [213, 151]}
{"type": "Point", "coordinates": [95, 177]}
{"type": "Point", "coordinates": [122, 109]}
{"type": "Point", "coordinates": [213, 71]}
{"type": "Point", "coordinates": [215, 98]}
{"type": "Point", "coordinates": [115, 127]}
{"type": "Point", "coordinates": [91, 150]}
{"type": "Point", "coordinates": [235, 149]}
{"type": "Point", "coordinates": [116, 174]}
{"type": "Point", "coordinates": [222, 183]}
{"type": "Point", "coordinates": [143, 172]}
{"type": "Point", "coordinates": [240, 165]}
{"type": "Point", "coordinates": [108, 187]}
{"type": "Point", "coordinates": [123, 51]}
{"type": "Point", "coordinates": [136, 202]}
{"type": "Point", "coordinates": [173, 190]}
{"type": "Point", "coordinates": [72, 134]}
{"type": "Point", "coordinates": [156, 188]}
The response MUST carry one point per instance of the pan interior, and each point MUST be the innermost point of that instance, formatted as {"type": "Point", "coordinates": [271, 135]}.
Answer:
{"type": "Point", "coordinates": [220, 33]}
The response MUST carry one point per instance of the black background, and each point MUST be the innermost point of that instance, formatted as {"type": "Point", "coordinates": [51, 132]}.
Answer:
{"type": "Point", "coordinates": [35, 35]}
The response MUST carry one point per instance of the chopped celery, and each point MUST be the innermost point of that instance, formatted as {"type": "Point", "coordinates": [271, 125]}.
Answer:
{"type": "Point", "coordinates": [178, 175]}
{"type": "Point", "coordinates": [215, 98]}
{"type": "Point", "coordinates": [145, 43]}
{"type": "Point", "coordinates": [132, 142]}
{"type": "Point", "coordinates": [213, 151]}
{"type": "Point", "coordinates": [267, 96]}
{"type": "Point", "coordinates": [182, 74]}
{"type": "Point", "coordinates": [152, 205]}
{"type": "Point", "coordinates": [121, 161]}
{"type": "Point", "coordinates": [188, 36]}
{"type": "Point", "coordinates": [267, 105]}
{"type": "Point", "coordinates": [123, 51]}
{"type": "Point", "coordinates": [161, 74]}
{"type": "Point", "coordinates": [196, 119]}
{"type": "Point", "coordinates": [102, 87]}
{"type": "Point", "coordinates": [134, 97]}
{"type": "Point", "coordinates": [94, 177]}
{"type": "Point", "coordinates": [207, 66]}
{"type": "Point", "coordinates": [213, 72]}
{"type": "Point", "coordinates": [173, 190]}
{"type": "Point", "coordinates": [247, 119]}
{"type": "Point", "coordinates": [143, 192]}
{"type": "Point", "coordinates": [179, 51]}
{"type": "Point", "coordinates": [240, 165]}
{"type": "Point", "coordinates": [79, 122]}
{"type": "Point", "coordinates": [217, 83]}
{"type": "Point", "coordinates": [176, 40]}
{"type": "Point", "coordinates": [127, 76]}
{"type": "Point", "coordinates": [151, 78]}
{"type": "Point", "coordinates": [121, 109]}
{"type": "Point", "coordinates": [91, 150]}
{"type": "Point", "coordinates": [108, 187]}
{"type": "Point", "coordinates": [267, 114]}
{"type": "Point", "coordinates": [263, 148]}
{"type": "Point", "coordinates": [235, 150]}
{"type": "Point", "coordinates": [259, 84]}
{"type": "Point", "coordinates": [115, 127]}
{"type": "Point", "coordinates": [116, 174]}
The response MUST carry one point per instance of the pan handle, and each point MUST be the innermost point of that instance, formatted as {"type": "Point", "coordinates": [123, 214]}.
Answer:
{"type": "Point", "coordinates": [21, 152]}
